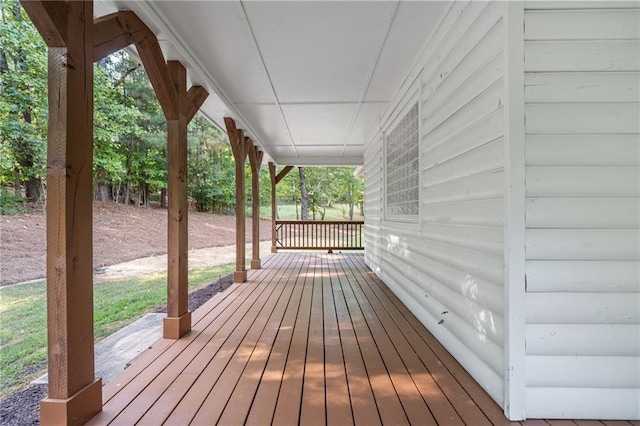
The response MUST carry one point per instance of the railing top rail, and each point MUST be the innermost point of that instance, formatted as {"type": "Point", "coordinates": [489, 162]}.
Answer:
{"type": "Point", "coordinates": [319, 222]}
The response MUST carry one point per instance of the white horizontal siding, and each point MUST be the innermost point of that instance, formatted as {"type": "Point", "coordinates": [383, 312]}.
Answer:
{"type": "Point", "coordinates": [572, 118]}
{"type": "Point", "coordinates": [583, 340]}
{"type": "Point", "coordinates": [448, 266]}
{"type": "Point", "coordinates": [583, 308]}
{"type": "Point", "coordinates": [560, 5]}
{"type": "Point", "coordinates": [570, 213]}
{"type": "Point", "coordinates": [595, 276]}
{"type": "Point", "coordinates": [583, 244]}
{"type": "Point", "coordinates": [373, 198]}
{"type": "Point", "coordinates": [567, 87]}
{"type": "Point", "coordinates": [583, 181]}
{"type": "Point", "coordinates": [583, 25]}
{"type": "Point", "coordinates": [592, 55]}
{"type": "Point", "coordinates": [583, 150]}
{"type": "Point", "coordinates": [582, 95]}
{"type": "Point", "coordinates": [586, 372]}
{"type": "Point", "coordinates": [591, 403]}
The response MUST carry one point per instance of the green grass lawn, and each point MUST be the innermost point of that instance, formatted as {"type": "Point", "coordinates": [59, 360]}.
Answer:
{"type": "Point", "coordinates": [336, 212]}
{"type": "Point", "coordinates": [23, 318]}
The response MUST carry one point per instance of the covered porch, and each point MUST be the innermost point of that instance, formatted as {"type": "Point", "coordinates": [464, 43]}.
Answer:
{"type": "Point", "coordinates": [311, 338]}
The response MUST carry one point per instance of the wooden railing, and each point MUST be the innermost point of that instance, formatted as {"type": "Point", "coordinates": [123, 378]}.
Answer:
{"type": "Point", "coordinates": [319, 235]}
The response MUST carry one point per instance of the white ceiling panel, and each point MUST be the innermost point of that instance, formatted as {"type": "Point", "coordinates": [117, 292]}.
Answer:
{"type": "Point", "coordinates": [414, 22]}
{"type": "Point", "coordinates": [268, 120]}
{"type": "Point", "coordinates": [368, 118]}
{"type": "Point", "coordinates": [307, 80]}
{"type": "Point", "coordinates": [321, 124]}
{"type": "Point", "coordinates": [318, 51]}
{"type": "Point", "coordinates": [283, 151]}
{"type": "Point", "coordinates": [354, 151]}
{"type": "Point", "coordinates": [323, 150]}
{"type": "Point", "coordinates": [218, 35]}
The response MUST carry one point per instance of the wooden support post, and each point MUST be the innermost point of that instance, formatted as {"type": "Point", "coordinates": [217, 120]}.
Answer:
{"type": "Point", "coordinates": [74, 394]}
{"type": "Point", "coordinates": [178, 321]}
{"type": "Point", "coordinates": [275, 179]}
{"type": "Point", "coordinates": [255, 159]}
{"type": "Point", "coordinates": [240, 147]}
{"type": "Point", "coordinates": [274, 207]}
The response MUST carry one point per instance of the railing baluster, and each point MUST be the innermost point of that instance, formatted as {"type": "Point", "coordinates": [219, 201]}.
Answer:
{"type": "Point", "coordinates": [295, 234]}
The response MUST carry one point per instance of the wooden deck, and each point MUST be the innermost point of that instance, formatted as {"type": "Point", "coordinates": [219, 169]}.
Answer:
{"type": "Point", "coordinates": [310, 339]}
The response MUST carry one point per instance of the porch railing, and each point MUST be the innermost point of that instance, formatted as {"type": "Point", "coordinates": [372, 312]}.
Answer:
{"type": "Point", "coordinates": [319, 235]}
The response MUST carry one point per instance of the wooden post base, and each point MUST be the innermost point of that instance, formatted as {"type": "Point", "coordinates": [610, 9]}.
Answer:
{"type": "Point", "coordinates": [256, 264]}
{"type": "Point", "coordinates": [240, 276]}
{"type": "Point", "coordinates": [176, 327]}
{"type": "Point", "coordinates": [77, 410]}
{"type": "Point", "coordinates": [274, 249]}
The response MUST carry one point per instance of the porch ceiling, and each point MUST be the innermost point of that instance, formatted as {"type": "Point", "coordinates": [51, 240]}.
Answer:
{"type": "Point", "coordinates": [308, 81]}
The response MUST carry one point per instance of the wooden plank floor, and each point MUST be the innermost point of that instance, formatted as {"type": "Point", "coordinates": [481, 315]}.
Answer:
{"type": "Point", "coordinates": [310, 339]}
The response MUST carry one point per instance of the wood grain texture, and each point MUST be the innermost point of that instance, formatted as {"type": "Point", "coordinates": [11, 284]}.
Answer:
{"type": "Point", "coordinates": [116, 31]}
{"type": "Point", "coordinates": [240, 146]}
{"type": "Point", "coordinates": [274, 205]}
{"type": "Point", "coordinates": [255, 160]}
{"type": "Point", "coordinates": [156, 67]}
{"type": "Point", "coordinates": [245, 361]}
{"type": "Point", "coordinates": [195, 98]}
{"type": "Point", "coordinates": [51, 20]}
{"type": "Point", "coordinates": [69, 195]}
{"type": "Point", "coordinates": [177, 245]}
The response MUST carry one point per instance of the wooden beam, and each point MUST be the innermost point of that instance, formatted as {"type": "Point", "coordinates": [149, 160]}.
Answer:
{"type": "Point", "coordinates": [156, 68]}
{"type": "Point", "coordinates": [283, 173]}
{"type": "Point", "coordinates": [274, 206]}
{"type": "Point", "coordinates": [74, 394]}
{"type": "Point", "coordinates": [240, 147]}
{"type": "Point", "coordinates": [50, 18]}
{"type": "Point", "coordinates": [275, 179]}
{"type": "Point", "coordinates": [116, 31]}
{"type": "Point", "coordinates": [178, 321]}
{"type": "Point", "coordinates": [255, 159]}
{"type": "Point", "coordinates": [195, 98]}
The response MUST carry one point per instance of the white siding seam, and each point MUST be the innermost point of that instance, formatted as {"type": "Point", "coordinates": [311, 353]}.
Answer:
{"type": "Point", "coordinates": [465, 107]}
{"type": "Point", "coordinates": [456, 324]}
{"type": "Point", "coordinates": [466, 85]}
{"type": "Point", "coordinates": [515, 403]}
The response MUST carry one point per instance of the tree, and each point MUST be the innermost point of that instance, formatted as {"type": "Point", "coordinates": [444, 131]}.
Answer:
{"type": "Point", "coordinates": [211, 167]}
{"type": "Point", "coordinates": [23, 102]}
{"type": "Point", "coordinates": [304, 203]}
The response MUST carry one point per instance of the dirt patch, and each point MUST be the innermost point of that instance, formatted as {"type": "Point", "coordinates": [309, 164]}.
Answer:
{"type": "Point", "coordinates": [120, 233]}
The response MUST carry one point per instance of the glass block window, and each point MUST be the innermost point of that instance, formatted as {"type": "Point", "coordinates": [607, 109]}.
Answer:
{"type": "Point", "coordinates": [403, 168]}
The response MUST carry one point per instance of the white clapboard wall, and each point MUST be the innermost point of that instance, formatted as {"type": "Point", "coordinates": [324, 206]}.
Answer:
{"type": "Point", "coordinates": [448, 265]}
{"type": "Point", "coordinates": [582, 112]}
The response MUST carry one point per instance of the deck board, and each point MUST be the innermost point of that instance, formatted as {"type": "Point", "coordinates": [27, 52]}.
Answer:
{"type": "Point", "coordinates": [311, 338]}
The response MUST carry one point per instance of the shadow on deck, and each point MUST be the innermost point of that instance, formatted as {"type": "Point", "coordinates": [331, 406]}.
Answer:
{"type": "Point", "coordinates": [311, 338]}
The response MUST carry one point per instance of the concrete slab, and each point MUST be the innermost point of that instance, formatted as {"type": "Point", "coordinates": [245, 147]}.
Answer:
{"type": "Point", "coordinates": [114, 352]}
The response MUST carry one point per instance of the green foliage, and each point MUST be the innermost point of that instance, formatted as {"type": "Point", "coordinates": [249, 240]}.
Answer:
{"type": "Point", "coordinates": [23, 98]}
{"type": "Point", "coordinates": [10, 203]}
{"type": "Point", "coordinates": [211, 167]}
{"type": "Point", "coordinates": [325, 186]}
{"type": "Point", "coordinates": [129, 136]}
{"type": "Point", "coordinates": [23, 318]}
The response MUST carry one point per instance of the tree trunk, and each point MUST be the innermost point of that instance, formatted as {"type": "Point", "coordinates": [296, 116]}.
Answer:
{"type": "Point", "coordinates": [103, 189]}
{"type": "Point", "coordinates": [145, 189]}
{"type": "Point", "coordinates": [17, 188]}
{"type": "Point", "coordinates": [32, 189]}
{"type": "Point", "coordinates": [351, 202]}
{"type": "Point", "coordinates": [163, 196]}
{"type": "Point", "coordinates": [304, 202]}
{"type": "Point", "coordinates": [127, 194]}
